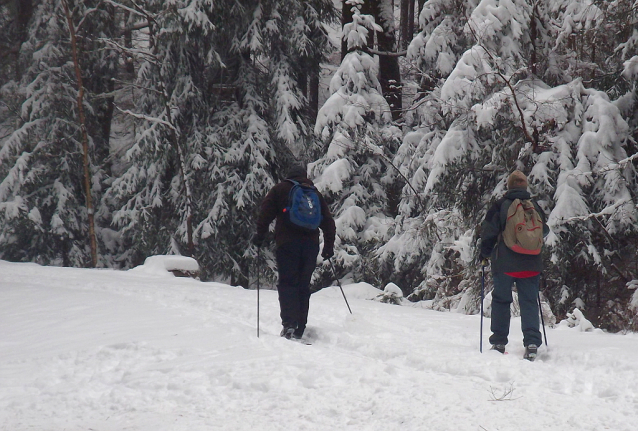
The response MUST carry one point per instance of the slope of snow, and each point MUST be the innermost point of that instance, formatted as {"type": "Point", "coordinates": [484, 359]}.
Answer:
{"type": "Point", "coordinates": [106, 350]}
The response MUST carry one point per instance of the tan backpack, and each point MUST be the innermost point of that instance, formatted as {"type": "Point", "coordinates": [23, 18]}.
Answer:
{"type": "Point", "coordinates": [523, 232]}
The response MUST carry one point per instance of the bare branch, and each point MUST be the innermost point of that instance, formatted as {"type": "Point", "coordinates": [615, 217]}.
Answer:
{"type": "Point", "coordinates": [505, 396]}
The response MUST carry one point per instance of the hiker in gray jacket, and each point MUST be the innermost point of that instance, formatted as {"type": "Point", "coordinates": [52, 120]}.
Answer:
{"type": "Point", "coordinates": [509, 267]}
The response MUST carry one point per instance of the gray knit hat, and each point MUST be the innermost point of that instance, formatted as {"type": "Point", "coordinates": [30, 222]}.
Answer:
{"type": "Point", "coordinates": [297, 171]}
{"type": "Point", "coordinates": [516, 180]}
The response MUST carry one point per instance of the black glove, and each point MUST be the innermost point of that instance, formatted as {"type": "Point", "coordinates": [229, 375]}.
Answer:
{"type": "Point", "coordinates": [258, 240]}
{"type": "Point", "coordinates": [327, 252]}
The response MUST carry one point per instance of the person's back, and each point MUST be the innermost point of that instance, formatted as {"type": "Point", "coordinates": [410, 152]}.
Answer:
{"type": "Point", "coordinates": [272, 208]}
{"type": "Point", "coordinates": [509, 267]}
{"type": "Point", "coordinates": [296, 250]}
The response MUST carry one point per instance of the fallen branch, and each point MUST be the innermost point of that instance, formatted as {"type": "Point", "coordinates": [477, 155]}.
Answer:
{"type": "Point", "coordinates": [505, 396]}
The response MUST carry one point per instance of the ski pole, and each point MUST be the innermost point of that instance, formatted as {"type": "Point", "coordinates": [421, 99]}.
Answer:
{"type": "Point", "coordinates": [482, 300]}
{"type": "Point", "coordinates": [258, 254]}
{"type": "Point", "coordinates": [339, 284]}
{"type": "Point", "coordinates": [540, 309]}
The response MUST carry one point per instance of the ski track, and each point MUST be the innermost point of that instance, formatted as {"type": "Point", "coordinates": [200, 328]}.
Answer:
{"type": "Point", "coordinates": [108, 350]}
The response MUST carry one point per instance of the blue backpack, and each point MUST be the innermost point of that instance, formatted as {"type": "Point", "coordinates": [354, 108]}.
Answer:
{"type": "Point", "coordinates": [304, 208]}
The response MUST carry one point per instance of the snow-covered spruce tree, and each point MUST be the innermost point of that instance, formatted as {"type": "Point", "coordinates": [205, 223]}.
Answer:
{"type": "Point", "coordinates": [596, 268]}
{"type": "Point", "coordinates": [255, 136]}
{"type": "Point", "coordinates": [448, 159]}
{"type": "Point", "coordinates": [627, 52]}
{"type": "Point", "coordinates": [354, 123]}
{"type": "Point", "coordinates": [489, 115]}
{"type": "Point", "coordinates": [153, 201]}
{"type": "Point", "coordinates": [418, 228]}
{"type": "Point", "coordinates": [41, 161]}
{"type": "Point", "coordinates": [594, 197]}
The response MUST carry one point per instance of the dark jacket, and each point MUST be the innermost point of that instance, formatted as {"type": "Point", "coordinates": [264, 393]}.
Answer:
{"type": "Point", "coordinates": [492, 246]}
{"type": "Point", "coordinates": [272, 208]}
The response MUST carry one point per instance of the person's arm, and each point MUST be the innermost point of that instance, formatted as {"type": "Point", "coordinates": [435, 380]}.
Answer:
{"type": "Point", "coordinates": [490, 229]}
{"type": "Point", "coordinates": [267, 213]}
{"type": "Point", "coordinates": [328, 228]}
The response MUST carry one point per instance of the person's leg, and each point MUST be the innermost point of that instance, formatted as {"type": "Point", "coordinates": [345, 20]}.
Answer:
{"type": "Point", "coordinates": [501, 302]}
{"type": "Point", "coordinates": [530, 318]}
{"type": "Point", "coordinates": [288, 262]}
{"type": "Point", "coordinates": [309, 252]}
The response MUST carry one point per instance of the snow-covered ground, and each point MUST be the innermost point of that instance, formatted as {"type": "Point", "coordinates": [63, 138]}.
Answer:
{"type": "Point", "coordinates": [106, 350]}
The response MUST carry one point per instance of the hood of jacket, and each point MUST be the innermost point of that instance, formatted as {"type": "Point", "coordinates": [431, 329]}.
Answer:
{"type": "Point", "coordinates": [518, 193]}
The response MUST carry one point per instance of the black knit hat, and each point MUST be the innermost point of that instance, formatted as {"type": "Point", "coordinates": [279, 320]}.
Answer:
{"type": "Point", "coordinates": [297, 171]}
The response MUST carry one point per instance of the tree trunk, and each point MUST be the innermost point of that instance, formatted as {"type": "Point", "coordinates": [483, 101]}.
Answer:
{"type": "Point", "coordinates": [128, 43]}
{"type": "Point", "coordinates": [533, 37]}
{"type": "Point", "coordinates": [421, 4]}
{"type": "Point", "coordinates": [346, 17]}
{"type": "Point", "coordinates": [389, 72]}
{"type": "Point", "coordinates": [302, 82]}
{"type": "Point", "coordinates": [24, 9]}
{"type": "Point", "coordinates": [106, 120]}
{"type": "Point", "coordinates": [313, 94]}
{"type": "Point", "coordinates": [85, 137]}
{"type": "Point", "coordinates": [404, 23]}
{"type": "Point", "coordinates": [410, 23]}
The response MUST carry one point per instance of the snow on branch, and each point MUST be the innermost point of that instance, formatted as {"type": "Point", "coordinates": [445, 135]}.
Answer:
{"type": "Point", "coordinates": [607, 211]}
{"type": "Point", "coordinates": [147, 118]}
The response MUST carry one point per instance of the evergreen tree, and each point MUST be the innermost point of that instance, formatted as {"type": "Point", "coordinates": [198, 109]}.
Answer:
{"type": "Point", "coordinates": [153, 201]}
{"type": "Point", "coordinates": [255, 137]}
{"type": "Point", "coordinates": [355, 124]}
{"type": "Point", "coordinates": [41, 160]}
{"type": "Point", "coordinates": [490, 114]}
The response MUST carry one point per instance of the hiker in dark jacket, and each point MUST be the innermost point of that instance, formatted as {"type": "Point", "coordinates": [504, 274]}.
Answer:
{"type": "Point", "coordinates": [296, 251]}
{"type": "Point", "coordinates": [509, 267]}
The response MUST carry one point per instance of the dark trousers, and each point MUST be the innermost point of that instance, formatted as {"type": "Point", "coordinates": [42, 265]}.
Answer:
{"type": "Point", "coordinates": [527, 298]}
{"type": "Point", "coordinates": [296, 261]}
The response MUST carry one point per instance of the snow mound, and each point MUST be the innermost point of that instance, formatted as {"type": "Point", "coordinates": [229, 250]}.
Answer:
{"type": "Point", "coordinates": [167, 265]}
{"type": "Point", "coordinates": [392, 294]}
{"type": "Point", "coordinates": [360, 291]}
{"type": "Point", "coordinates": [576, 319]}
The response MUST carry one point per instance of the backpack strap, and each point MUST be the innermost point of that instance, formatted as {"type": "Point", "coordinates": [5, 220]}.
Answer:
{"type": "Point", "coordinates": [503, 207]}
{"type": "Point", "coordinates": [292, 189]}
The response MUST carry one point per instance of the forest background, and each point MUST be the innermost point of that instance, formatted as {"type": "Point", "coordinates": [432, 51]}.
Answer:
{"type": "Point", "coordinates": [136, 128]}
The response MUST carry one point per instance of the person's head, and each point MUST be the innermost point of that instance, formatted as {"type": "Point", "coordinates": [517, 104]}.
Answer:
{"type": "Point", "coordinates": [516, 180]}
{"type": "Point", "coordinates": [297, 171]}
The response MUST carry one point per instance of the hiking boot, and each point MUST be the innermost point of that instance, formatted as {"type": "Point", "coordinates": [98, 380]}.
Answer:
{"type": "Point", "coordinates": [298, 333]}
{"type": "Point", "coordinates": [531, 351]}
{"type": "Point", "coordinates": [499, 348]}
{"type": "Point", "coordinates": [287, 332]}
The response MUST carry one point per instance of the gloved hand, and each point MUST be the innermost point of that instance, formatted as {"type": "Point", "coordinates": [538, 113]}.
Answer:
{"type": "Point", "coordinates": [327, 252]}
{"type": "Point", "coordinates": [485, 261]}
{"type": "Point", "coordinates": [257, 240]}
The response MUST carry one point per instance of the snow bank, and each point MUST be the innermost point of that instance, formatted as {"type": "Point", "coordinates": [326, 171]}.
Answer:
{"type": "Point", "coordinates": [168, 265]}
